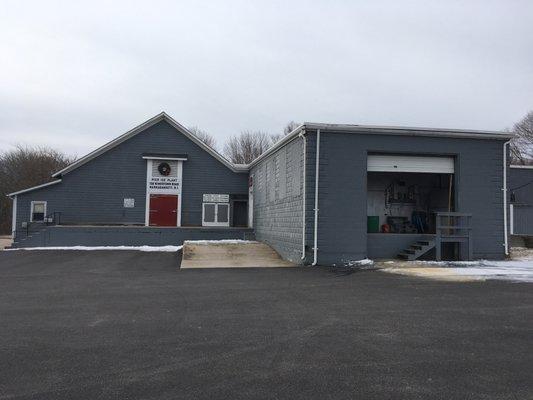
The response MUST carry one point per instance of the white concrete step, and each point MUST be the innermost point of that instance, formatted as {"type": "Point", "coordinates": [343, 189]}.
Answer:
{"type": "Point", "coordinates": [230, 254]}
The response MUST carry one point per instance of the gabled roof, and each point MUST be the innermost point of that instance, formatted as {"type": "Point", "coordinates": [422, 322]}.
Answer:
{"type": "Point", "coordinates": [140, 128]}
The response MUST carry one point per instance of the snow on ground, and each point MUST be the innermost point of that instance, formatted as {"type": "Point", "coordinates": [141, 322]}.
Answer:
{"type": "Point", "coordinates": [223, 241]}
{"type": "Point", "coordinates": [360, 263]}
{"type": "Point", "coordinates": [86, 248]}
{"type": "Point", "coordinates": [518, 269]}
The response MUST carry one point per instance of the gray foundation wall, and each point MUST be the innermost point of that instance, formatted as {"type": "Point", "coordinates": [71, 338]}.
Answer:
{"type": "Point", "coordinates": [94, 193]}
{"type": "Point", "coordinates": [127, 236]}
{"type": "Point", "coordinates": [278, 200]}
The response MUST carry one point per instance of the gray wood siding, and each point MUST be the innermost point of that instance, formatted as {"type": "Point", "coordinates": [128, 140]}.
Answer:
{"type": "Point", "coordinates": [521, 183]}
{"type": "Point", "coordinates": [94, 193]}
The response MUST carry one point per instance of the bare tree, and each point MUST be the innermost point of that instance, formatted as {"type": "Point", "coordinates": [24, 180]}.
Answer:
{"type": "Point", "coordinates": [289, 127]}
{"type": "Point", "coordinates": [522, 143]}
{"type": "Point", "coordinates": [204, 136]}
{"type": "Point", "coordinates": [24, 167]}
{"type": "Point", "coordinates": [244, 148]}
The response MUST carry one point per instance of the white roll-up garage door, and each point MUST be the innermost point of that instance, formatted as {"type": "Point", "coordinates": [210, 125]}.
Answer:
{"type": "Point", "coordinates": [401, 163]}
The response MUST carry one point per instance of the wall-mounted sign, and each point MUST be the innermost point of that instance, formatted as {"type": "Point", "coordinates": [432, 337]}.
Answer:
{"type": "Point", "coordinates": [129, 203]}
{"type": "Point", "coordinates": [163, 183]}
{"type": "Point", "coordinates": [216, 198]}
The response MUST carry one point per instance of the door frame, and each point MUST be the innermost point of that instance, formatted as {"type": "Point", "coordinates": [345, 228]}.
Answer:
{"type": "Point", "coordinates": [149, 164]}
{"type": "Point", "coordinates": [177, 208]}
{"type": "Point", "coordinates": [216, 223]}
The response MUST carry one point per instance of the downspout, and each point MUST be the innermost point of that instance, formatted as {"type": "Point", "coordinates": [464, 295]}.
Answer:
{"type": "Point", "coordinates": [504, 189]}
{"type": "Point", "coordinates": [14, 218]}
{"type": "Point", "coordinates": [302, 135]}
{"type": "Point", "coordinates": [317, 165]}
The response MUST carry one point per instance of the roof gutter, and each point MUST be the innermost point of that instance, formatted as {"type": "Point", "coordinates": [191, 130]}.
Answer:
{"type": "Point", "coordinates": [291, 136]}
{"type": "Point", "coordinates": [33, 188]}
{"type": "Point", "coordinates": [384, 130]}
{"type": "Point", "coordinates": [410, 131]}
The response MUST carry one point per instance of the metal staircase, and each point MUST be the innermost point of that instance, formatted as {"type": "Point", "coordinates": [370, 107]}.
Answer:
{"type": "Point", "coordinates": [417, 250]}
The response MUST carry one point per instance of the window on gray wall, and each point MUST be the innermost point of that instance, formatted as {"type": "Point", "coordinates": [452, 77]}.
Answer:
{"type": "Point", "coordinates": [38, 211]}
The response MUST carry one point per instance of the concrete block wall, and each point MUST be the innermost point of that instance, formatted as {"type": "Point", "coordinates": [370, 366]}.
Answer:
{"type": "Point", "coordinates": [342, 235]}
{"type": "Point", "coordinates": [278, 200]}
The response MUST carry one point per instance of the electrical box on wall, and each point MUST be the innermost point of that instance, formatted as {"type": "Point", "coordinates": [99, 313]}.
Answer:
{"type": "Point", "coordinates": [129, 203]}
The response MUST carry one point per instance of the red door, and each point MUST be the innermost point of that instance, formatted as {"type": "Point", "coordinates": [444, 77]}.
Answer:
{"type": "Point", "coordinates": [163, 210]}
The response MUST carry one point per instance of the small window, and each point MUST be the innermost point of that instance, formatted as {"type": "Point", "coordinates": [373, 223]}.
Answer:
{"type": "Point", "coordinates": [215, 214]}
{"type": "Point", "coordinates": [38, 211]}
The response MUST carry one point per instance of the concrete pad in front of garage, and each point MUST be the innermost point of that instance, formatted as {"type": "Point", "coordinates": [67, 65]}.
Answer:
{"type": "Point", "coordinates": [5, 241]}
{"type": "Point", "coordinates": [230, 254]}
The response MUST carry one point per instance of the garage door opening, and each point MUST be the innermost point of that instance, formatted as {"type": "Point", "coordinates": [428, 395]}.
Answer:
{"type": "Point", "coordinates": [405, 193]}
{"type": "Point", "coordinates": [411, 208]}
{"type": "Point", "coordinates": [407, 203]}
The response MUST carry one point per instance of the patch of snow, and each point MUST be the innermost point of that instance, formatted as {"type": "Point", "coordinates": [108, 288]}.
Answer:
{"type": "Point", "coordinates": [89, 248]}
{"type": "Point", "coordinates": [520, 270]}
{"type": "Point", "coordinates": [223, 241]}
{"type": "Point", "coordinates": [360, 263]}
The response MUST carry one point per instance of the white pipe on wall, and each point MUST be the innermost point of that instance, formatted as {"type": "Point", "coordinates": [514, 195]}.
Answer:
{"type": "Point", "coordinates": [504, 189]}
{"type": "Point", "coordinates": [317, 165]}
{"type": "Point", "coordinates": [14, 218]}
{"type": "Point", "coordinates": [302, 135]}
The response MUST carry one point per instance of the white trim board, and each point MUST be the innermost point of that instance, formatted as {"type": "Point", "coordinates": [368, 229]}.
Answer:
{"type": "Point", "coordinates": [34, 188]}
{"type": "Point", "coordinates": [164, 158]}
{"type": "Point", "coordinates": [179, 176]}
{"type": "Point", "coordinates": [521, 166]}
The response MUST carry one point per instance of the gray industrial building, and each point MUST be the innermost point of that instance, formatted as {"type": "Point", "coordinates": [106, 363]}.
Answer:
{"type": "Point", "coordinates": [325, 194]}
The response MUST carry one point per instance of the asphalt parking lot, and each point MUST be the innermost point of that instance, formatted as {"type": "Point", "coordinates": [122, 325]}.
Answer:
{"type": "Point", "coordinates": [131, 325]}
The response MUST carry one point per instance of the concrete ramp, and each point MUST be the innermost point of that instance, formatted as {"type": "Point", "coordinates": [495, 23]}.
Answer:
{"type": "Point", "coordinates": [230, 254]}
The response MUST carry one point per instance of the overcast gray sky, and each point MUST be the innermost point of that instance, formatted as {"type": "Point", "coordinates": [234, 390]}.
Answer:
{"type": "Point", "coordinates": [76, 74]}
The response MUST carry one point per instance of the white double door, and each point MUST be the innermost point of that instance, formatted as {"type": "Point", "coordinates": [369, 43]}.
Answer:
{"type": "Point", "coordinates": [215, 214]}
